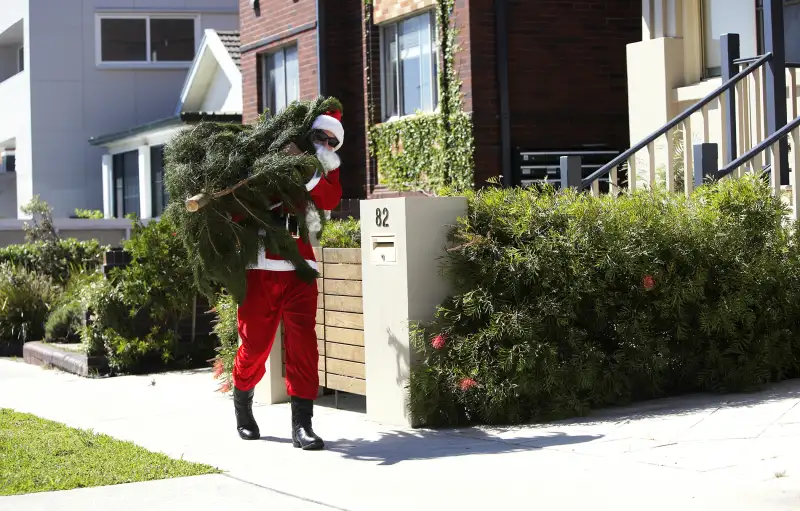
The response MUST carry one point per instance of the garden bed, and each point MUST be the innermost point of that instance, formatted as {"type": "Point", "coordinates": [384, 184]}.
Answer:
{"type": "Point", "coordinates": [68, 357]}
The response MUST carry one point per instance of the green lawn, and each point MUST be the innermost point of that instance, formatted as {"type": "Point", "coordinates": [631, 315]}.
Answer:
{"type": "Point", "coordinates": [38, 455]}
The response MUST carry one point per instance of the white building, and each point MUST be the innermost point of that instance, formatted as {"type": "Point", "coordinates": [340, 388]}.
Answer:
{"type": "Point", "coordinates": [132, 167]}
{"type": "Point", "coordinates": [70, 69]}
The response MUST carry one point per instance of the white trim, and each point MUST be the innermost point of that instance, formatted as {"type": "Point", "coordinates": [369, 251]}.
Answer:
{"type": "Point", "coordinates": [314, 181]}
{"type": "Point", "coordinates": [145, 179]}
{"type": "Point", "coordinates": [210, 42]}
{"type": "Point", "coordinates": [148, 138]}
{"type": "Point", "coordinates": [147, 16]}
{"type": "Point", "coordinates": [108, 185]}
{"type": "Point", "coordinates": [277, 264]}
{"type": "Point", "coordinates": [70, 224]}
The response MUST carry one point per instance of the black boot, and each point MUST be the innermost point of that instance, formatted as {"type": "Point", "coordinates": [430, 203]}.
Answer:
{"type": "Point", "coordinates": [302, 434]}
{"type": "Point", "coordinates": [245, 422]}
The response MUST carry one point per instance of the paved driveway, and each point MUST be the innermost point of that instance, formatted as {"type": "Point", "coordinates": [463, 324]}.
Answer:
{"type": "Point", "coordinates": [700, 453]}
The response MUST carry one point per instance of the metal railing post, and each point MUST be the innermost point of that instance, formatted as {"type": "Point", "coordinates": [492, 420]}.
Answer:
{"type": "Point", "coordinates": [705, 162]}
{"type": "Point", "coordinates": [570, 172]}
{"type": "Point", "coordinates": [775, 83]}
{"type": "Point", "coordinates": [729, 48]}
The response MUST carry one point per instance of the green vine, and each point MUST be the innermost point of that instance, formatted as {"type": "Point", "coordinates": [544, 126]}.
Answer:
{"type": "Point", "coordinates": [429, 152]}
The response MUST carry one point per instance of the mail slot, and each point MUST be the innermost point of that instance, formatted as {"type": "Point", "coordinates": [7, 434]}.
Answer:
{"type": "Point", "coordinates": [383, 250]}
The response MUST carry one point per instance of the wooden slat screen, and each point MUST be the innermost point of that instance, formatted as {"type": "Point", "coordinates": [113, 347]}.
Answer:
{"type": "Point", "coordinates": [340, 321]}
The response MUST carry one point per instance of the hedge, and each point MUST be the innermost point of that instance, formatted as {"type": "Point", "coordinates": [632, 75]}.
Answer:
{"type": "Point", "coordinates": [563, 302]}
{"type": "Point", "coordinates": [58, 259]}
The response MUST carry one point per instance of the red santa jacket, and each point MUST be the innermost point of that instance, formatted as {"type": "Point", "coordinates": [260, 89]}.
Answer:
{"type": "Point", "coordinates": [326, 192]}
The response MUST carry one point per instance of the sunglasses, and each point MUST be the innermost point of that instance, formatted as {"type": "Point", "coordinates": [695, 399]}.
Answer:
{"type": "Point", "coordinates": [321, 136]}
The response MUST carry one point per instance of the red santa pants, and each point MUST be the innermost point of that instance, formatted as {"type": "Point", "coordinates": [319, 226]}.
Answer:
{"type": "Point", "coordinates": [273, 296]}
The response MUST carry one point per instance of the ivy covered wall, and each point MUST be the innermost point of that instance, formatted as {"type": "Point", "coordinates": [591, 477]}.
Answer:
{"type": "Point", "coordinates": [428, 151]}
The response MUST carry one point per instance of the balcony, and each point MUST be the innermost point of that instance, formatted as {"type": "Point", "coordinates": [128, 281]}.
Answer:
{"type": "Point", "coordinates": [12, 51]}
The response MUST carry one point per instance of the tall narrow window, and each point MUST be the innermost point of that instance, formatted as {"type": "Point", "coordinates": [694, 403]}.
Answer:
{"type": "Point", "coordinates": [281, 79]}
{"type": "Point", "coordinates": [160, 195]}
{"type": "Point", "coordinates": [126, 184]}
{"type": "Point", "coordinates": [410, 66]}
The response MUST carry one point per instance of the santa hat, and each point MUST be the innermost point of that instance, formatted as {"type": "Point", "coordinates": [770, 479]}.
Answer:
{"type": "Point", "coordinates": [331, 121]}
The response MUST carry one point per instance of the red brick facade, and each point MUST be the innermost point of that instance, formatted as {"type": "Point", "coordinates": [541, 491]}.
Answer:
{"type": "Point", "coordinates": [567, 79]}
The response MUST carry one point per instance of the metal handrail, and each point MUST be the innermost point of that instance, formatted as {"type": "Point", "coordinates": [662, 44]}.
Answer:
{"type": "Point", "coordinates": [752, 153]}
{"type": "Point", "coordinates": [675, 121]}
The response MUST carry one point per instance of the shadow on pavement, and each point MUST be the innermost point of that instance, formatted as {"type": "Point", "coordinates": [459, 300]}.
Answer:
{"type": "Point", "coordinates": [397, 446]}
{"type": "Point", "coordinates": [686, 405]}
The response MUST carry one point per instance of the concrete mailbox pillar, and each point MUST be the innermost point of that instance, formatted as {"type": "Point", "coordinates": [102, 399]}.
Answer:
{"type": "Point", "coordinates": [402, 241]}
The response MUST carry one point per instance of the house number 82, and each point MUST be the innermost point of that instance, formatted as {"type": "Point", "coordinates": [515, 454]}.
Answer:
{"type": "Point", "coordinates": [382, 217]}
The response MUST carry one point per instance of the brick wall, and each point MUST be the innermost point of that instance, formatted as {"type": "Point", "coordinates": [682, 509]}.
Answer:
{"type": "Point", "coordinates": [567, 75]}
{"type": "Point", "coordinates": [277, 23]}
{"type": "Point", "coordinates": [281, 22]}
{"type": "Point", "coordinates": [344, 79]}
{"type": "Point", "coordinates": [568, 81]}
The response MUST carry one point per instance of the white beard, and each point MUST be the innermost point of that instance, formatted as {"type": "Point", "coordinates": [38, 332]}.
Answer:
{"type": "Point", "coordinates": [329, 159]}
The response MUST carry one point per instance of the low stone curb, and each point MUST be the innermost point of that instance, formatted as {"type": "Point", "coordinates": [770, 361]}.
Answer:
{"type": "Point", "coordinates": [39, 353]}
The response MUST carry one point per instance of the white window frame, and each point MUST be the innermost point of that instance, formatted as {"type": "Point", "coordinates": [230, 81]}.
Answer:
{"type": "Point", "coordinates": [21, 59]}
{"type": "Point", "coordinates": [435, 61]}
{"type": "Point", "coordinates": [264, 60]}
{"type": "Point", "coordinates": [147, 64]}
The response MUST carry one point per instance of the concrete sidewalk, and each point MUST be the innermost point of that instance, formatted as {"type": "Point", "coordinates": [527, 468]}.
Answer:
{"type": "Point", "coordinates": [705, 453]}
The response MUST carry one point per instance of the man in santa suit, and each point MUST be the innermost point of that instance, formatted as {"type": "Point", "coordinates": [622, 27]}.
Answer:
{"type": "Point", "coordinates": [275, 294]}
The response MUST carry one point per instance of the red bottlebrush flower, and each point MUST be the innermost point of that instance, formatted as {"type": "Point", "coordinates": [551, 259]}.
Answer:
{"type": "Point", "coordinates": [439, 341]}
{"type": "Point", "coordinates": [648, 282]}
{"type": "Point", "coordinates": [225, 388]}
{"type": "Point", "coordinates": [219, 368]}
{"type": "Point", "coordinates": [174, 233]}
{"type": "Point", "coordinates": [467, 383]}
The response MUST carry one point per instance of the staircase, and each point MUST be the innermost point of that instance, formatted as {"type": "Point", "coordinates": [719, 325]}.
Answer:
{"type": "Point", "coordinates": [696, 146]}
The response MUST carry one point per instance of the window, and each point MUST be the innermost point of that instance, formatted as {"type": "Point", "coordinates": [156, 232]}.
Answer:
{"type": "Point", "coordinates": [410, 62]}
{"type": "Point", "coordinates": [280, 78]}
{"type": "Point", "coordinates": [160, 195]}
{"type": "Point", "coordinates": [146, 39]}
{"type": "Point", "coordinates": [125, 199]}
{"type": "Point", "coordinates": [21, 59]}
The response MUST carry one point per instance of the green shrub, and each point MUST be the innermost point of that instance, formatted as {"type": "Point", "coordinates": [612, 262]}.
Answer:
{"type": "Point", "coordinates": [66, 318]}
{"type": "Point", "coordinates": [134, 316]}
{"type": "Point", "coordinates": [94, 214]}
{"type": "Point", "coordinates": [25, 301]}
{"type": "Point", "coordinates": [58, 259]}
{"type": "Point", "coordinates": [341, 234]}
{"type": "Point", "coordinates": [563, 302]}
{"type": "Point", "coordinates": [64, 322]}
{"type": "Point", "coordinates": [225, 328]}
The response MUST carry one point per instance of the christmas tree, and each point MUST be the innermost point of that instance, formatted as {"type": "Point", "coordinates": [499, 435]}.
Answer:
{"type": "Point", "coordinates": [220, 173]}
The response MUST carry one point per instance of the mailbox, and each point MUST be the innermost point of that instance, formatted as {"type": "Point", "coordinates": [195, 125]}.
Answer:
{"type": "Point", "coordinates": [402, 242]}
